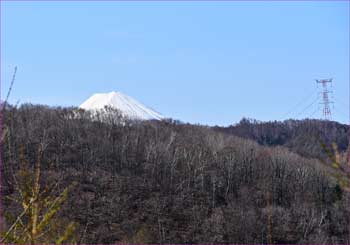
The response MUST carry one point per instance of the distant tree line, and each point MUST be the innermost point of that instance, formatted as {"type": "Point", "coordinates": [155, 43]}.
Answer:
{"type": "Point", "coordinates": [168, 182]}
{"type": "Point", "coordinates": [300, 136]}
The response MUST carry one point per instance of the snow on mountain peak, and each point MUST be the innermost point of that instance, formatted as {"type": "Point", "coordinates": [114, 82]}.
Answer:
{"type": "Point", "coordinates": [128, 106]}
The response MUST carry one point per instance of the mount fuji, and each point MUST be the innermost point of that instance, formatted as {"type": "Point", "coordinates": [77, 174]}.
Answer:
{"type": "Point", "coordinates": [128, 106]}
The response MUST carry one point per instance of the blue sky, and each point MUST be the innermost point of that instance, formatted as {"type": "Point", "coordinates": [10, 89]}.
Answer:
{"type": "Point", "coordinates": [201, 62]}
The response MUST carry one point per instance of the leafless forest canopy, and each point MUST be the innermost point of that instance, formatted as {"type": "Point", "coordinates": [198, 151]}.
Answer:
{"type": "Point", "coordinates": [171, 182]}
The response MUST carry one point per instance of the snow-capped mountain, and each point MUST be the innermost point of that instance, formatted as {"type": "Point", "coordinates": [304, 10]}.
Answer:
{"type": "Point", "coordinates": [128, 106]}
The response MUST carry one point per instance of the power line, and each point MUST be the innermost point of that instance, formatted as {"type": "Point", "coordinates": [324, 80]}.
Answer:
{"type": "Point", "coordinates": [313, 113]}
{"type": "Point", "coordinates": [307, 107]}
{"type": "Point", "coordinates": [306, 98]}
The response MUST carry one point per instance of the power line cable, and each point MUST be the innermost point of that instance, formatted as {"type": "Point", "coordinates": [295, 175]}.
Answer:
{"type": "Point", "coordinates": [307, 107]}
{"type": "Point", "coordinates": [306, 98]}
{"type": "Point", "coordinates": [313, 113]}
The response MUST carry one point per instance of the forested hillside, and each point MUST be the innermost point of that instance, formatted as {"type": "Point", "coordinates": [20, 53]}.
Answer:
{"type": "Point", "coordinates": [167, 182]}
{"type": "Point", "coordinates": [301, 136]}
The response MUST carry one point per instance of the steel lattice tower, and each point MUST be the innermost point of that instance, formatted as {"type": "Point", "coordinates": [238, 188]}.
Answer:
{"type": "Point", "coordinates": [327, 114]}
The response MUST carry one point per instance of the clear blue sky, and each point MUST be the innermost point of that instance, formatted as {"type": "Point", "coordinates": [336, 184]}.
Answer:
{"type": "Point", "coordinates": [200, 62]}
